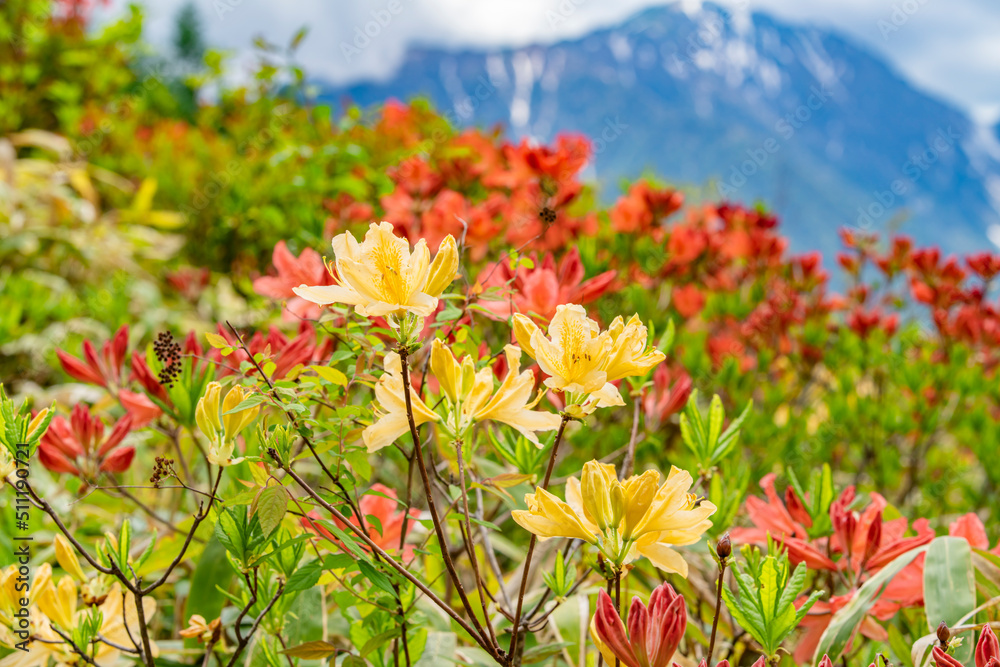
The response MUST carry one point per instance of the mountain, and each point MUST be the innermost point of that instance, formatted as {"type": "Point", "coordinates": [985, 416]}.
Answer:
{"type": "Point", "coordinates": [741, 107]}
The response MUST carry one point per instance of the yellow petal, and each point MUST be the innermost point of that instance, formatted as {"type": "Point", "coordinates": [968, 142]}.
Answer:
{"type": "Point", "coordinates": [640, 491]}
{"type": "Point", "coordinates": [67, 558]}
{"type": "Point", "coordinates": [548, 516]}
{"type": "Point", "coordinates": [446, 369]}
{"type": "Point", "coordinates": [207, 411]}
{"type": "Point", "coordinates": [663, 557]}
{"type": "Point", "coordinates": [444, 268]}
{"type": "Point", "coordinates": [524, 329]}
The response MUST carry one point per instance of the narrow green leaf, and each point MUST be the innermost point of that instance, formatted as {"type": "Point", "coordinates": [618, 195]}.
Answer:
{"type": "Point", "coordinates": [847, 620]}
{"type": "Point", "coordinates": [950, 586]}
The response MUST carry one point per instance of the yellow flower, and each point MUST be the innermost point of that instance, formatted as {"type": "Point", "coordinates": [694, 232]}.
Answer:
{"type": "Point", "coordinates": [470, 397]}
{"type": "Point", "coordinates": [573, 354]}
{"type": "Point", "coordinates": [509, 405]}
{"type": "Point", "coordinates": [625, 520]}
{"type": "Point", "coordinates": [58, 605]}
{"type": "Point", "coordinates": [547, 516]}
{"type": "Point", "coordinates": [221, 429]}
{"type": "Point", "coordinates": [581, 359]}
{"type": "Point", "coordinates": [628, 356]}
{"type": "Point", "coordinates": [381, 276]}
{"type": "Point", "coordinates": [391, 416]}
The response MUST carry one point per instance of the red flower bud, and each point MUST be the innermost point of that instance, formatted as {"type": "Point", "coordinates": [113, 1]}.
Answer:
{"type": "Point", "coordinates": [987, 648]}
{"type": "Point", "coordinates": [654, 630]}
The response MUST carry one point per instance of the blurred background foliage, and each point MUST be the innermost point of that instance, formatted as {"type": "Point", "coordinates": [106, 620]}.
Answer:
{"type": "Point", "coordinates": [151, 190]}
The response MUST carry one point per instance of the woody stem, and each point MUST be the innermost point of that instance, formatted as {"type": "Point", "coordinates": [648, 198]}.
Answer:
{"type": "Point", "coordinates": [618, 602]}
{"type": "Point", "coordinates": [718, 610]}
{"type": "Point", "coordinates": [432, 506]}
{"type": "Point", "coordinates": [469, 543]}
{"type": "Point", "coordinates": [515, 630]}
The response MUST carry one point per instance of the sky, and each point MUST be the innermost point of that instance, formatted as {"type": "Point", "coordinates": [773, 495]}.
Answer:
{"type": "Point", "coordinates": [949, 48]}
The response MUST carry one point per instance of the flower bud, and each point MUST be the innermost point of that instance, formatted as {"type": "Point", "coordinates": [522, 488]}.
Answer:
{"type": "Point", "coordinates": [444, 269]}
{"type": "Point", "coordinates": [67, 558]}
{"type": "Point", "coordinates": [724, 547]}
{"type": "Point", "coordinates": [987, 648]}
{"type": "Point", "coordinates": [943, 633]}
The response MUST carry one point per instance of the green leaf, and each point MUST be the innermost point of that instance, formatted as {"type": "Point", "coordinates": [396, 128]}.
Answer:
{"type": "Point", "coordinates": [376, 577]}
{"type": "Point", "coordinates": [543, 652]}
{"type": "Point", "coordinates": [304, 577]}
{"type": "Point", "coordinates": [147, 552]}
{"type": "Point", "coordinates": [950, 586]}
{"type": "Point", "coordinates": [716, 415]}
{"type": "Point", "coordinates": [124, 542]}
{"type": "Point", "coordinates": [272, 503]}
{"type": "Point", "coordinates": [846, 621]}
{"type": "Point", "coordinates": [317, 650]}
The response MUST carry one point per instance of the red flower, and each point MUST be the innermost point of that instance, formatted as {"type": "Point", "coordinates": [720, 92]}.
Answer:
{"type": "Point", "coordinates": [668, 395]}
{"type": "Point", "coordinates": [140, 408]}
{"type": "Point", "coordinates": [987, 651]}
{"type": "Point", "coordinates": [189, 281]}
{"type": "Point", "coordinates": [78, 446]}
{"type": "Point", "coordinates": [285, 353]}
{"type": "Point", "coordinates": [644, 209]}
{"type": "Point", "coordinates": [985, 265]}
{"type": "Point", "coordinates": [688, 300]}
{"type": "Point", "coordinates": [654, 631]}
{"type": "Point", "coordinates": [538, 290]}
{"type": "Point", "coordinates": [382, 508]}
{"type": "Point", "coordinates": [104, 368]}
{"type": "Point", "coordinates": [306, 269]}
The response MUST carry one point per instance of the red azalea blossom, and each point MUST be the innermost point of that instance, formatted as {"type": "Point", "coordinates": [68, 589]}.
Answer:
{"type": "Point", "coordinates": [668, 395]}
{"type": "Point", "coordinates": [306, 269]}
{"type": "Point", "coordinates": [285, 353]}
{"type": "Point", "coordinates": [78, 446]}
{"type": "Point", "coordinates": [864, 542]}
{"type": "Point", "coordinates": [382, 508]}
{"type": "Point", "coordinates": [538, 290]}
{"type": "Point", "coordinates": [987, 651]}
{"type": "Point", "coordinates": [103, 369]}
{"type": "Point", "coordinates": [644, 210]}
{"type": "Point", "coordinates": [139, 407]}
{"type": "Point", "coordinates": [654, 631]}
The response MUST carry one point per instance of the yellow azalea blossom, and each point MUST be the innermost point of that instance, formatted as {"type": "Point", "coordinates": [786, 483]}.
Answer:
{"type": "Point", "coordinates": [547, 516]}
{"type": "Point", "coordinates": [381, 276]}
{"type": "Point", "coordinates": [391, 420]}
{"type": "Point", "coordinates": [629, 356]}
{"type": "Point", "coordinates": [574, 353]}
{"type": "Point", "coordinates": [220, 428]}
{"type": "Point", "coordinates": [625, 520]}
{"type": "Point", "coordinates": [470, 396]}
{"type": "Point", "coordinates": [583, 361]}
{"type": "Point", "coordinates": [57, 605]}
{"type": "Point", "coordinates": [509, 405]}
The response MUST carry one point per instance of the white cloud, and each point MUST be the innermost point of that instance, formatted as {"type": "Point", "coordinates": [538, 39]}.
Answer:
{"type": "Point", "coordinates": [947, 47]}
